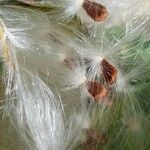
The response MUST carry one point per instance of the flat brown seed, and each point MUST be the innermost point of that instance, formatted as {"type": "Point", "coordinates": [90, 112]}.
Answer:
{"type": "Point", "coordinates": [97, 90]}
{"type": "Point", "coordinates": [102, 138]}
{"type": "Point", "coordinates": [95, 11]}
{"type": "Point", "coordinates": [94, 137]}
{"type": "Point", "coordinates": [109, 71]}
{"type": "Point", "coordinates": [69, 64]}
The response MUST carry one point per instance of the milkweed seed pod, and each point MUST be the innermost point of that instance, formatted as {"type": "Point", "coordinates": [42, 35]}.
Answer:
{"type": "Point", "coordinates": [68, 90]}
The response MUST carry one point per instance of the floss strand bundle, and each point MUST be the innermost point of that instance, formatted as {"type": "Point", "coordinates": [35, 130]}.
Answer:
{"type": "Point", "coordinates": [78, 87]}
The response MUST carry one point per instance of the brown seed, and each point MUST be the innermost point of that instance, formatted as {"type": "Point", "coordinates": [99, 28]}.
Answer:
{"type": "Point", "coordinates": [69, 64]}
{"type": "Point", "coordinates": [109, 71]}
{"type": "Point", "coordinates": [93, 138]}
{"type": "Point", "coordinates": [95, 11]}
{"type": "Point", "coordinates": [102, 138]}
{"type": "Point", "coordinates": [97, 90]}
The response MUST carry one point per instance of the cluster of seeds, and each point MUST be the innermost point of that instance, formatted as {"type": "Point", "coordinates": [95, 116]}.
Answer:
{"type": "Point", "coordinates": [98, 90]}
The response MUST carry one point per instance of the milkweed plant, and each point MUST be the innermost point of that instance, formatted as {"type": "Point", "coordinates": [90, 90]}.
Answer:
{"type": "Point", "coordinates": [74, 74]}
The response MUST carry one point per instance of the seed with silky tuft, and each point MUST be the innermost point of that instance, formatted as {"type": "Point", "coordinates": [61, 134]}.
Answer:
{"type": "Point", "coordinates": [109, 71]}
{"type": "Point", "coordinates": [95, 11]}
{"type": "Point", "coordinates": [93, 138]}
{"type": "Point", "coordinates": [97, 90]}
{"type": "Point", "coordinates": [69, 64]}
